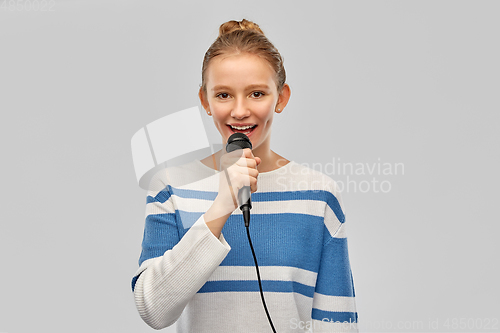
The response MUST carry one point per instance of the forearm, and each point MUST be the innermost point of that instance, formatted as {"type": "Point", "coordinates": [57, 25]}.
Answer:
{"type": "Point", "coordinates": [168, 283]}
{"type": "Point", "coordinates": [216, 216]}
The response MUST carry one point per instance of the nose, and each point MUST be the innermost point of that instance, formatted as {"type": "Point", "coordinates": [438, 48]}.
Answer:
{"type": "Point", "coordinates": [240, 109]}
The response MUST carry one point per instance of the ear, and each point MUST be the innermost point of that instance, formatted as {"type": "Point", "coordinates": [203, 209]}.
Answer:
{"type": "Point", "coordinates": [203, 99]}
{"type": "Point", "coordinates": [283, 98]}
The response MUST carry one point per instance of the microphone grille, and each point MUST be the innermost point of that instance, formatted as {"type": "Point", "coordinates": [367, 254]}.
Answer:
{"type": "Point", "coordinates": [238, 141]}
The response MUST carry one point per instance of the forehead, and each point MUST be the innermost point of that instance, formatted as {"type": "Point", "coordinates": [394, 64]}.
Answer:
{"type": "Point", "coordinates": [239, 70]}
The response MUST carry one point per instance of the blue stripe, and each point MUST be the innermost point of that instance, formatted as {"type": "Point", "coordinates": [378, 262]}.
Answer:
{"type": "Point", "coordinates": [334, 276]}
{"type": "Point", "coordinates": [162, 196]}
{"type": "Point", "coordinates": [286, 239]}
{"type": "Point", "coordinates": [187, 219]}
{"type": "Point", "coordinates": [285, 196]}
{"type": "Point", "coordinates": [334, 204]}
{"type": "Point", "coordinates": [160, 235]}
{"type": "Point", "coordinates": [278, 239]}
{"type": "Point", "coordinates": [316, 195]}
{"type": "Point", "coordinates": [253, 286]}
{"type": "Point", "coordinates": [330, 316]}
{"type": "Point", "coordinates": [134, 281]}
{"type": "Point", "coordinates": [193, 194]}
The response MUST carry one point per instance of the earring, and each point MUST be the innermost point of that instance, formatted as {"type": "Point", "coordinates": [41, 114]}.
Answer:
{"type": "Point", "coordinates": [279, 110]}
{"type": "Point", "coordinates": [209, 113]}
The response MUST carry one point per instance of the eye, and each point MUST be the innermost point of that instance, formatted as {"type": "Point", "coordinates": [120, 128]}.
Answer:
{"type": "Point", "coordinates": [257, 94]}
{"type": "Point", "coordinates": [222, 95]}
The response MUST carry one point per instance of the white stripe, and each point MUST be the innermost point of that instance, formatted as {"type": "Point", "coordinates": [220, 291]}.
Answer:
{"type": "Point", "coordinates": [334, 303]}
{"type": "Point", "coordinates": [157, 207]}
{"type": "Point", "coordinates": [231, 303]}
{"type": "Point", "coordinates": [244, 310]}
{"type": "Point", "coordinates": [187, 204]}
{"type": "Point", "coordinates": [332, 223]}
{"type": "Point", "coordinates": [145, 265]}
{"type": "Point", "coordinates": [341, 232]}
{"type": "Point", "coordinates": [311, 207]}
{"type": "Point", "coordinates": [274, 273]}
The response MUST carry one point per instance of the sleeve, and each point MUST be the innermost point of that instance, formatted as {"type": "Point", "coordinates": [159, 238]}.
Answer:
{"type": "Point", "coordinates": [334, 306]}
{"type": "Point", "coordinates": [172, 270]}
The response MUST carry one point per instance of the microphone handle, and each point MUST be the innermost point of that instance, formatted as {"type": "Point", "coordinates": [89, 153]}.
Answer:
{"type": "Point", "coordinates": [244, 196]}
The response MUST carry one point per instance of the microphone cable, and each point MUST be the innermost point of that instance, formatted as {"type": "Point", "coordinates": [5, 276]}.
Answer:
{"type": "Point", "coordinates": [258, 273]}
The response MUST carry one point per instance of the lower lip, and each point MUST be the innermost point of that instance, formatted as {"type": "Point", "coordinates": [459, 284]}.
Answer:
{"type": "Point", "coordinates": [246, 132]}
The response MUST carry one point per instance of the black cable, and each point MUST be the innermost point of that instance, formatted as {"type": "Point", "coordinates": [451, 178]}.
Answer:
{"type": "Point", "coordinates": [258, 277]}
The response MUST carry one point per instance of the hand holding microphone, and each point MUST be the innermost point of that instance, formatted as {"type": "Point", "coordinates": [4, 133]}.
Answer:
{"type": "Point", "coordinates": [237, 179]}
{"type": "Point", "coordinates": [236, 142]}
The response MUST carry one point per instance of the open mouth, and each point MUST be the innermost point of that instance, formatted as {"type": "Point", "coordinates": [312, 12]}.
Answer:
{"type": "Point", "coordinates": [247, 131]}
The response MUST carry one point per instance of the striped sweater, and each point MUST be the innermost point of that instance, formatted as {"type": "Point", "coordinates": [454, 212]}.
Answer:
{"type": "Point", "coordinates": [209, 284]}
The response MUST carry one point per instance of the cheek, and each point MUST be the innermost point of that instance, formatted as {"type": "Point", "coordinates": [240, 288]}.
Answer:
{"type": "Point", "coordinates": [266, 114]}
{"type": "Point", "coordinates": [220, 109]}
{"type": "Point", "coordinates": [219, 119]}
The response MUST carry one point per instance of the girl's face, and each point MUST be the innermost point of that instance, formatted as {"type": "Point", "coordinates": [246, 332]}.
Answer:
{"type": "Point", "coordinates": [241, 91]}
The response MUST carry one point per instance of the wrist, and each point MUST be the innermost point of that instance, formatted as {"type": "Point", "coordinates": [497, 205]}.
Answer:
{"type": "Point", "coordinates": [224, 205]}
{"type": "Point", "coordinates": [216, 216]}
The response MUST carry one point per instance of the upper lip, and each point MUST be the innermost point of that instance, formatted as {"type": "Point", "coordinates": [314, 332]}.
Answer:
{"type": "Point", "coordinates": [241, 124]}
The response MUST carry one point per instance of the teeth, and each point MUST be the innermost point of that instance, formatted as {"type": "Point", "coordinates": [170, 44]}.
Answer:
{"type": "Point", "coordinates": [242, 128]}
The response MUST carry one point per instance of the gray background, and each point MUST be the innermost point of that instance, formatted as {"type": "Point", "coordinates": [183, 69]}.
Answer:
{"type": "Point", "coordinates": [412, 82]}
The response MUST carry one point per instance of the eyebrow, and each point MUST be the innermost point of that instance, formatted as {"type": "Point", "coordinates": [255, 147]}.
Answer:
{"type": "Point", "coordinates": [250, 87]}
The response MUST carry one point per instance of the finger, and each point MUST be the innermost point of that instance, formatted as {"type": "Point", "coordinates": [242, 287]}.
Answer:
{"type": "Point", "coordinates": [247, 162]}
{"type": "Point", "coordinates": [241, 157]}
{"type": "Point", "coordinates": [251, 172]}
{"type": "Point", "coordinates": [231, 158]}
{"type": "Point", "coordinates": [253, 185]}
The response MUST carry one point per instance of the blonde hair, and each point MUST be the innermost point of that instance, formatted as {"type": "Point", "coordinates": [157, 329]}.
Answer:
{"type": "Point", "coordinates": [244, 36]}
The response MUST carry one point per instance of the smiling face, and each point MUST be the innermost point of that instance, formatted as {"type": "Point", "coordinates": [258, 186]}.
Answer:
{"type": "Point", "coordinates": [241, 91]}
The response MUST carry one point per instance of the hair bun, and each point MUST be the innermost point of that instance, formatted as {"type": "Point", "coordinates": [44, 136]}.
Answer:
{"type": "Point", "coordinates": [244, 24]}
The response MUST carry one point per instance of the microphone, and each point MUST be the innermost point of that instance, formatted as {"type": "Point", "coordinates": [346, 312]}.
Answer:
{"type": "Point", "coordinates": [241, 141]}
